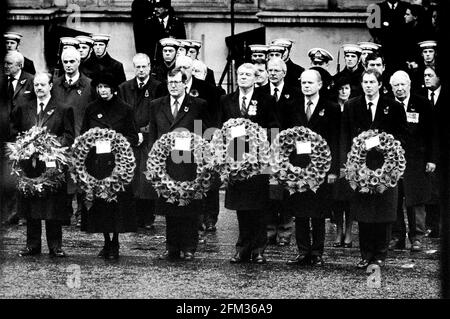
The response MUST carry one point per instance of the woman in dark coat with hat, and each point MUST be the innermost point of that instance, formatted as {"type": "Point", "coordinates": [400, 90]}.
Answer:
{"type": "Point", "coordinates": [110, 112]}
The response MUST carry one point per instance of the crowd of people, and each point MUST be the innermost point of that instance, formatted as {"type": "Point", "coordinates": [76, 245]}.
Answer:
{"type": "Point", "coordinates": [390, 83]}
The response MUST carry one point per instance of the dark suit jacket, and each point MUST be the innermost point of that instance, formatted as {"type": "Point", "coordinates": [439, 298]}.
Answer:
{"type": "Point", "coordinates": [325, 122]}
{"type": "Point", "coordinates": [293, 73]}
{"type": "Point", "coordinates": [252, 194]}
{"type": "Point", "coordinates": [140, 99]}
{"type": "Point", "coordinates": [211, 95]}
{"type": "Point", "coordinates": [390, 118]}
{"type": "Point", "coordinates": [24, 90]}
{"type": "Point", "coordinates": [105, 64]}
{"type": "Point", "coordinates": [210, 77]}
{"type": "Point", "coordinates": [59, 120]}
{"type": "Point", "coordinates": [420, 148]}
{"type": "Point", "coordinates": [28, 66]}
{"type": "Point", "coordinates": [78, 96]}
{"type": "Point", "coordinates": [162, 122]}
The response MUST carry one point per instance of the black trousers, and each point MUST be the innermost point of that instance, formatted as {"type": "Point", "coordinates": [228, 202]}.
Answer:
{"type": "Point", "coordinates": [252, 232]}
{"type": "Point", "coordinates": [280, 223]}
{"type": "Point", "coordinates": [433, 218]}
{"type": "Point", "coordinates": [145, 211]}
{"type": "Point", "coordinates": [210, 208]}
{"type": "Point", "coordinates": [53, 232]}
{"type": "Point", "coordinates": [310, 238]}
{"type": "Point", "coordinates": [182, 232]}
{"type": "Point", "coordinates": [374, 240]}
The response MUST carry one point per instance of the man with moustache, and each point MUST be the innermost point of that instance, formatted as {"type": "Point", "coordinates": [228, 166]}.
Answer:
{"type": "Point", "coordinates": [44, 110]}
{"type": "Point", "coordinates": [249, 198]}
{"type": "Point", "coordinates": [139, 92]}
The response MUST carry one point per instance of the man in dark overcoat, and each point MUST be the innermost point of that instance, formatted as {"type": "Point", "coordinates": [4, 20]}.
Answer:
{"type": "Point", "coordinates": [45, 110]}
{"type": "Point", "coordinates": [139, 92]}
{"type": "Point", "coordinates": [375, 213]}
{"type": "Point", "coordinates": [311, 208]}
{"type": "Point", "coordinates": [249, 198]}
{"type": "Point", "coordinates": [353, 68]}
{"type": "Point", "coordinates": [421, 157]}
{"type": "Point", "coordinates": [176, 111]}
{"type": "Point", "coordinates": [280, 224]}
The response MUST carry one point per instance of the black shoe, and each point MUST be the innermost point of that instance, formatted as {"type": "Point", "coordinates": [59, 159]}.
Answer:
{"type": "Point", "coordinates": [363, 263]}
{"type": "Point", "coordinates": [114, 253]}
{"type": "Point", "coordinates": [259, 259]}
{"type": "Point", "coordinates": [170, 256]}
{"type": "Point", "coordinates": [104, 253]}
{"type": "Point", "coordinates": [58, 252]}
{"type": "Point", "coordinates": [283, 242]}
{"type": "Point", "coordinates": [149, 226]}
{"type": "Point", "coordinates": [188, 256]}
{"type": "Point", "coordinates": [317, 261]}
{"type": "Point", "coordinates": [416, 246]}
{"type": "Point", "coordinates": [396, 243]}
{"type": "Point", "coordinates": [22, 222]}
{"type": "Point", "coordinates": [301, 260]}
{"type": "Point", "coordinates": [348, 245]}
{"type": "Point", "coordinates": [27, 251]}
{"type": "Point", "coordinates": [239, 258]}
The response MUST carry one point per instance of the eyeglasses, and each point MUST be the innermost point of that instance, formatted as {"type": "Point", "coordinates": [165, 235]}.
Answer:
{"type": "Point", "coordinates": [174, 82]}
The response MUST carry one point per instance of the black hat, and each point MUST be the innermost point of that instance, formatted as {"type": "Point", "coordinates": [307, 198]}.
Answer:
{"type": "Point", "coordinates": [342, 80]}
{"type": "Point", "coordinates": [105, 78]}
{"type": "Point", "coordinates": [162, 3]}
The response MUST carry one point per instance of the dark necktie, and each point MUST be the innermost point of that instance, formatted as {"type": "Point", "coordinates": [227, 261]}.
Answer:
{"type": "Point", "coordinates": [175, 109]}
{"type": "Point", "coordinates": [308, 110]}
{"type": "Point", "coordinates": [275, 94]}
{"type": "Point", "coordinates": [10, 88]}
{"type": "Point", "coordinates": [141, 85]}
{"type": "Point", "coordinates": [70, 82]}
{"type": "Point", "coordinates": [432, 98]}
{"type": "Point", "coordinates": [244, 109]}
{"type": "Point", "coordinates": [369, 109]}
{"type": "Point", "coordinates": [40, 113]}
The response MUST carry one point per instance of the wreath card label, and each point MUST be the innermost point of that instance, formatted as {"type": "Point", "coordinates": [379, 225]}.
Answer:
{"type": "Point", "coordinates": [372, 142]}
{"type": "Point", "coordinates": [303, 147]}
{"type": "Point", "coordinates": [103, 147]}
{"type": "Point", "coordinates": [237, 131]}
{"type": "Point", "coordinates": [182, 144]}
{"type": "Point", "coordinates": [50, 164]}
{"type": "Point", "coordinates": [412, 117]}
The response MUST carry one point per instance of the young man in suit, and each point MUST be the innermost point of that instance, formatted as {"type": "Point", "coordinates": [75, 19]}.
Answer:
{"type": "Point", "coordinates": [311, 208]}
{"type": "Point", "coordinates": [249, 198]}
{"type": "Point", "coordinates": [44, 110]}
{"type": "Point", "coordinates": [176, 111]}
{"type": "Point", "coordinates": [420, 152]}
{"type": "Point", "coordinates": [375, 213]}
{"type": "Point", "coordinates": [139, 92]}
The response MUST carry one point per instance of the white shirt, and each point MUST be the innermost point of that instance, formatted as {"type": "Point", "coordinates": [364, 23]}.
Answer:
{"type": "Point", "coordinates": [405, 103]}
{"type": "Point", "coordinates": [392, 6]}
{"type": "Point", "coordinates": [164, 21]}
{"type": "Point", "coordinates": [180, 101]}
{"type": "Point", "coordinates": [74, 79]}
{"type": "Point", "coordinates": [279, 87]}
{"type": "Point", "coordinates": [374, 102]}
{"type": "Point", "coordinates": [16, 79]}
{"type": "Point", "coordinates": [436, 94]}
{"type": "Point", "coordinates": [248, 97]}
{"type": "Point", "coordinates": [314, 101]}
{"type": "Point", "coordinates": [45, 101]}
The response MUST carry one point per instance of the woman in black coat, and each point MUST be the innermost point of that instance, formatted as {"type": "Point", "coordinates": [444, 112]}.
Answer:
{"type": "Point", "coordinates": [109, 112]}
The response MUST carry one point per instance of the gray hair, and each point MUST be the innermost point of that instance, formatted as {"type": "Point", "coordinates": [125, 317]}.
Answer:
{"type": "Point", "coordinates": [141, 56]}
{"type": "Point", "coordinates": [249, 66]}
{"type": "Point", "coordinates": [277, 61]}
{"type": "Point", "coordinates": [72, 51]}
{"type": "Point", "coordinates": [17, 57]}
{"type": "Point", "coordinates": [400, 75]}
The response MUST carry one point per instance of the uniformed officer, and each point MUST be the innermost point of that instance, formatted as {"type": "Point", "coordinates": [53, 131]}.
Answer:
{"type": "Point", "coordinates": [69, 42]}
{"type": "Point", "coordinates": [101, 61]}
{"type": "Point", "coordinates": [183, 47]}
{"type": "Point", "coordinates": [169, 53]}
{"type": "Point", "coordinates": [85, 48]}
{"type": "Point", "coordinates": [12, 41]}
{"type": "Point", "coordinates": [320, 59]}
{"type": "Point", "coordinates": [429, 53]}
{"type": "Point", "coordinates": [293, 70]}
{"type": "Point", "coordinates": [193, 52]}
{"type": "Point", "coordinates": [259, 53]}
{"type": "Point", "coordinates": [353, 69]}
{"type": "Point", "coordinates": [367, 47]}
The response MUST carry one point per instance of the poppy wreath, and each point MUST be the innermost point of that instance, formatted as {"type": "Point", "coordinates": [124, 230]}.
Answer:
{"type": "Point", "coordinates": [365, 180]}
{"type": "Point", "coordinates": [293, 178]}
{"type": "Point", "coordinates": [253, 163]}
{"type": "Point", "coordinates": [121, 175]}
{"type": "Point", "coordinates": [37, 144]}
{"type": "Point", "coordinates": [181, 192]}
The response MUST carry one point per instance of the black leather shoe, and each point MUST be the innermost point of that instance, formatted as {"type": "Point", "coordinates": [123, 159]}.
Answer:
{"type": "Point", "coordinates": [170, 255]}
{"type": "Point", "coordinates": [363, 263]}
{"type": "Point", "coordinates": [378, 262]}
{"type": "Point", "coordinates": [57, 253]}
{"type": "Point", "coordinates": [317, 261]}
{"type": "Point", "coordinates": [259, 259]}
{"type": "Point", "coordinates": [114, 253]}
{"type": "Point", "coordinates": [27, 251]}
{"type": "Point", "coordinates": [188, 256]}
{"type": "Point", "coordinates": [396, 243]}
{"type": "Point", "coordinates": [416, 246]}
{"type": "Point", "coordinates": [301, 260]}
{"type": "Point", "coordinates": [104, 253]}
{"type": "Point", "coordinates": [239, 258]}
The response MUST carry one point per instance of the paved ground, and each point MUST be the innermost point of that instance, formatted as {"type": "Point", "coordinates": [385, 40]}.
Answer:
{"type": "Point", "coordinates": [139, 273]}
